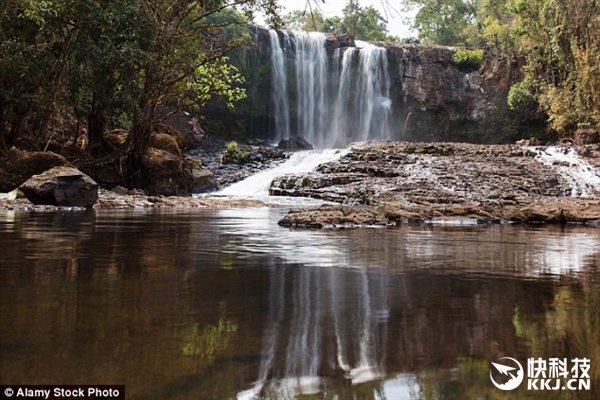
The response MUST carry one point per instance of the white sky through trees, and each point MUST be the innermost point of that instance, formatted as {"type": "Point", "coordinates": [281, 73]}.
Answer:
{"type": "Point", "coordinates": [389, 9]}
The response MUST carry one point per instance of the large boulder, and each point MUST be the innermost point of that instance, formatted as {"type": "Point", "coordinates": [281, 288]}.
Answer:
{"type": "Point", "coordinates": [295, 143]}
{"type": "Point", "coordinates": [19, 165]}
{"type": "Point", "coordinates": [61, 186]}
{"type": "Point", "coordinates": [204, 180]}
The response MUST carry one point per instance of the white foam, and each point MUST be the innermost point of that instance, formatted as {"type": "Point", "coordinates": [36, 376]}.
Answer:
{"type": "Point", "coordinates": [582, 178]}
{"type": "Point", "coordinates": [300, 162]}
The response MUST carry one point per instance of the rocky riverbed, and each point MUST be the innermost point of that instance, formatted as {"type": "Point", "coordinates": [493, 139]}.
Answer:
{"type": "Point", "coordinates": [420, 182]}
{"type": "Point", "coordinates": [260, 156]}
{"type": "Point", "coordinates": [383, 183]}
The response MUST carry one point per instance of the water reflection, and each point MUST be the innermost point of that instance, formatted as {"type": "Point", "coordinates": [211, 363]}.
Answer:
{"type": "Point", "coordinates": [320, 332]}
{"type": "Point", "coordinates": [225, 304]}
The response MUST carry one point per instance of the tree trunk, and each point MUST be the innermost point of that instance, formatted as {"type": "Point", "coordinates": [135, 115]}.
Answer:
{"type": "Point", "coordinates": [134, 173]}
{"type": "Point", "coordinates": [96, 127]}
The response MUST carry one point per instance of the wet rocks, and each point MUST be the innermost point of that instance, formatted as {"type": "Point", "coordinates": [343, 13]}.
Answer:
{"type": "Point", "coordinates": [61, 186]}
{"type": "Point", "coordinates": [419, 182]}
{"type": "Point", "coordinates": [333, 216]}
{"type": "Point", "coordinates": [260, 157]}
{"type": "Point", "coordinates": [121, 198]}
{"type": "Point", "coordinates": [295, 143]}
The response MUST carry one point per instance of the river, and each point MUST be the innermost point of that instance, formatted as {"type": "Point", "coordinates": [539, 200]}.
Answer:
{"type": "Point", "coordinates": [225, 304]}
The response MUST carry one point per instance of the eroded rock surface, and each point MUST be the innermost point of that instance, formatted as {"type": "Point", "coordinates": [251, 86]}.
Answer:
{"type": "Point", "coordinates": [334, 216]}
{"type": "Point", "coordinates": [489, 183]}
{"type": "Point", "coordinates": [61, 186]}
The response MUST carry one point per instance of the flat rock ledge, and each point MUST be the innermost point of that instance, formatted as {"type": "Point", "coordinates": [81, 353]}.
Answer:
{"type": "Point", "coordinates": [334, 216]}
{"type": "Point", "coordinates": [582, 211]}
{"type": "Point", "coordinates": [122, 199]}
{"type": "Point", "coordinates": [427, 182]}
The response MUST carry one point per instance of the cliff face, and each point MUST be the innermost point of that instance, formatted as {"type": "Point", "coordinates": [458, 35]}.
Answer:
{"type": "Point", "coordinates": [432, 98]}
{"type": "Point", "coordinates": [436, 100]}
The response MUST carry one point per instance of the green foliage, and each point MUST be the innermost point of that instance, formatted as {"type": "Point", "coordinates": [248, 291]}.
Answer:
{"type": "Point", "coordinates": [362, 23]}
{"type": "Point", "coordinates": [561, 40]}
{"type": "Point", "coordinates": [365, 23]}
{"type": "Point", "coordinates": [468, 58]}
{"type": "Point", "coordinates": [233, 154]}
{"type": "Point", "coordinates": [114, 62]}
{"type": "Point", "coordinates": [441, 21]}
{"type": "Point", "coordinates": [314, 21]}
{"type": "Point", "coordinates": [232, 147]}
{"type": "Point", "coordinates": [521, 96]}
{"type": "Point", "coordinates": [218, 78]}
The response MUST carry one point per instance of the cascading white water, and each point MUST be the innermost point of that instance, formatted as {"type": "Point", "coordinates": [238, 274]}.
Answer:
{"type": "Point", "coordinates": [575, 172]}
{"type": "Point", "coordinates": [335, 102]}
{"type": "Point", "coordinates": [280, 97]}
{"type": "Point", "coordinates": [300, 162]}
{"type": "Point", "coordinates": [363, 95]}
{"type": "Point", "coordinates": [311, 84]}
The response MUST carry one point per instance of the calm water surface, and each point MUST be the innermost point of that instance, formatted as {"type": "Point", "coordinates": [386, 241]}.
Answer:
{"type": "Point", "coordinates": [225, 304]}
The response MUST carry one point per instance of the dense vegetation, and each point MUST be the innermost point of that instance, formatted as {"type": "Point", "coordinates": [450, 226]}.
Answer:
{"type": "Point", "coordinates": [106, 65]}
{"type": "Point", "coordinates": [112, 64]}
{"type": "Point", "coordinates": [559, 40]}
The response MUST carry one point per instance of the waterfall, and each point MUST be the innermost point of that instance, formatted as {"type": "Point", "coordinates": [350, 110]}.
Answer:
{"type": "Point", "coordinates": [582, 178]}
{"type": "Point", "coordinates": [329, 102]}
{"type": "Point", "coordinates": [300, 162]}
{"type": "Point", "coordinates": [280, 99]}
{"type": "Point", "coordinates": [311, 67]}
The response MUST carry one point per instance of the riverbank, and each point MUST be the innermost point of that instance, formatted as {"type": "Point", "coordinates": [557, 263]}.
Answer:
{"type": "Point", "coordinates": [120, 199]}
{"type": "Point", "coordinates": [387, 183]}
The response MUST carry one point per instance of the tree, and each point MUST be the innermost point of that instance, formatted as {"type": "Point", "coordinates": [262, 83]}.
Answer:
{"type": "Point", "coordinates": [114, 62]}
{"type": "Point", "coordinates": [561, 43]}
{"type": "Point", "coordinates": [362, 23]}
{"type": "Point", "coordinates": [442, 21]}
{"type": "Point", "coordinates": [313, 21]}
{"type": "Point", "coordinates": [492, 28]}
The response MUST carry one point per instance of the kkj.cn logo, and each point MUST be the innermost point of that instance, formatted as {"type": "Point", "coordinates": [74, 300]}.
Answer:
{"type": "Point", "coordinates": [542, 374]}
{"type": "Point", "coordinates": [515, 374]}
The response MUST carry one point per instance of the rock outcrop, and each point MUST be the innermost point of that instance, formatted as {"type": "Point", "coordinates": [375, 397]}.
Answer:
{"type": "Point", "coordinates": [435, 99]}
{"type": "Point", "coordinates": [410, 182]}
{"type": "Point", "coordinates": [336, 216]}
{"type": "Point", "coordinates": [432, 97]}
{"type": "Point", "coordinates": [61, 186]}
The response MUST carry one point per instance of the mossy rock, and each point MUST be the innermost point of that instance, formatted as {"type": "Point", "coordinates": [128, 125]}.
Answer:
{"type": "Point", "coordinates": [166, 142]}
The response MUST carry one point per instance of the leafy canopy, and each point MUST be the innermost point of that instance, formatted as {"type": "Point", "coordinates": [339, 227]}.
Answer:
{"type": "Point", "coordinates": [362, 23]}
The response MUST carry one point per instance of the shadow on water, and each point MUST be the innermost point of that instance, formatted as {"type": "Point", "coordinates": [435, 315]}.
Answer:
{"type": "Point", "coordinates": [225, 304]}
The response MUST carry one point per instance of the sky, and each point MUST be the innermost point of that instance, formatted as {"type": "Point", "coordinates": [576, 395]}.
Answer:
{"type": "Point", "coordinates": [389, 9]}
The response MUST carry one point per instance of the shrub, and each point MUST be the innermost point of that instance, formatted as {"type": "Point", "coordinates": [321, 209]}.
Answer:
{"type": "Point", "coordinates": [233, 154]}
{"type": "Point", "coordinates": [520, 95]}
{"type": "Point", "coordinates": [468, 58]}
{"type": "Point", "coordinates": [232, 147]}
